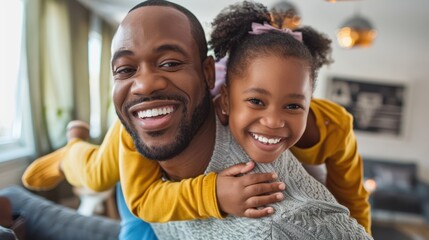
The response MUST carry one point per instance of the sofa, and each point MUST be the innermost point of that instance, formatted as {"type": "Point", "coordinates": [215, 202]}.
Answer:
{"type": "Point", "coordinates": [398, 188]}
{"type": "Point", "coordinates": [46, 220]}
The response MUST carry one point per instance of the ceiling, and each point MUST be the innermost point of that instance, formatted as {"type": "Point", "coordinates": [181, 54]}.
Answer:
{"type": "Point", "coordinates": [314, 12]}
{"type": "Point", "coordinates": [115, 10]}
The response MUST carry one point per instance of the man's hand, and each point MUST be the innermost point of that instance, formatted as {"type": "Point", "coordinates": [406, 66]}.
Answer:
{"type": "Point", "coordinates": [247, 195]}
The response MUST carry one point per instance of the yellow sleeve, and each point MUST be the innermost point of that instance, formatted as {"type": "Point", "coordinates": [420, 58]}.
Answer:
{"type": "Point", "coordinates": [345, 180]}
{"type": "Point", "coordinates": [92, 166]}
{"type": "Point", "coordinates": [154, 200]}
{"type": "Point", "coordinates": [337, 148]}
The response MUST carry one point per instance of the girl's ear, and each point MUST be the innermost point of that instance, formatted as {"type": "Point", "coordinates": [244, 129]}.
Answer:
{"type": "Point", "coordinates": [209, 71]}
{"type": "Point", "coordinates": [224, 100]}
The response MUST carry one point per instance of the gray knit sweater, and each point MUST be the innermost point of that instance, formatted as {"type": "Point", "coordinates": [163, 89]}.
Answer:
{"type": "Point", "coordinates": [309, 210]}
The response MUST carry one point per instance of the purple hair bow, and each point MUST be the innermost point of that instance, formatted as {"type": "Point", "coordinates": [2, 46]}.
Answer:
{"type": "Point", "coordinates": [258, 28]}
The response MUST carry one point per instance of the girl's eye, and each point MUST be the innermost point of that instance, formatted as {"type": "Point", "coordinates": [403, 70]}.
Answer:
{"type": "Point", "coordinates": [293, 106]}
{"type": "Point", "coordinates": [123, 73]}
{"type": "Point", "coordinates": [255, 101]}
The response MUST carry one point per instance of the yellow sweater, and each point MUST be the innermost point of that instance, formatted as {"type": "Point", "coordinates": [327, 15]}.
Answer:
{"type": "Point", "coordinates": [101, 168]}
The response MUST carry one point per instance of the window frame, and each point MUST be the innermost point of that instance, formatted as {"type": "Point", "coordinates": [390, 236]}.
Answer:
{"type": "Point", "coordinates": [23, 144]}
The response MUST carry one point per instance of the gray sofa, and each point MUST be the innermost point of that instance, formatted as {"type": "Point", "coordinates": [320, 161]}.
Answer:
{"type": "Point", "coordinates": [398, 187]}
{"type": "Point", "coordinates": [49, 221]}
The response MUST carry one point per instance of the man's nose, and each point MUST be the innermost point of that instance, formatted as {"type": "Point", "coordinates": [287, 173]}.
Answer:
{"type": "Point", "coordinates": [148, 81]}
{"type": "Point", "coordinates": [272, 119]}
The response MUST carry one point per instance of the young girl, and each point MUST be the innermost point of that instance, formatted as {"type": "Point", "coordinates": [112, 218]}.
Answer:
{"type": "Point", "coordinates": [265, 119]}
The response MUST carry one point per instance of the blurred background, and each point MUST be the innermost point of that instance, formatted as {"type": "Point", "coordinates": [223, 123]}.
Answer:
{"type": "Point", "coordinates": [55, 68]}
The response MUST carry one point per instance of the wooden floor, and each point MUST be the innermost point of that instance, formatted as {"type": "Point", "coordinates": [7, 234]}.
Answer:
{"type": "Point", "coordinates": [416, 228]}
{"type": "Point", "coordinates": [417, 232]}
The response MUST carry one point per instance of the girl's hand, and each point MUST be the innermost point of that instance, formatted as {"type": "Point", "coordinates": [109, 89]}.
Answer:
{"type": "Point", "coordinates": [247, 195]}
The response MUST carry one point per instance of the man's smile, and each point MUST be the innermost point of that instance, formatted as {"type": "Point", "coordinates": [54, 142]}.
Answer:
{"type": "Point", "coordinates": [155, 112]}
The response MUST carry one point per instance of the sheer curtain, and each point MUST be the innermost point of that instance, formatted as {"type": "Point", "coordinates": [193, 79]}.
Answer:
{"type": "Point", "coordinates": [57, 45]}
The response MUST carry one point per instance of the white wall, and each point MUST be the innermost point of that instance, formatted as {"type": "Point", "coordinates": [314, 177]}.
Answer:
{"type": "Point", "coordinates": [399, 54]}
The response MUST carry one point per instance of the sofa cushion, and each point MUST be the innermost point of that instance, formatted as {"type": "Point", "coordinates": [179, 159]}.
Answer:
{"type": "Point", "coordinates": [394, 178]}
{"type": "Point", "coordinates": [7, 234]}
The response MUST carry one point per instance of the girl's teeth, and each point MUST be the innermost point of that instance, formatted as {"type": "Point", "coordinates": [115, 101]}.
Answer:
{"type": "Point", "coordinates": [266, 140]}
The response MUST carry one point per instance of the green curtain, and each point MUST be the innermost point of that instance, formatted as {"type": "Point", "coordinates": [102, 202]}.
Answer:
{"type": "Point", "coordinates": [58, 72]}
{"type": "Point", "coordinates": [57, 49]}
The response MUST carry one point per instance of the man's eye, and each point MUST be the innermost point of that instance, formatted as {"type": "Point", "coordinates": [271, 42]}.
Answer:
{"type": "Point", "coordinates": [255, 101]}
{"type": "Point", "coordinates": [123, 73]}
{"type": "Point", "coordinates": [170, 64]}
{"type": "Point", "coordinates": [124, 70]}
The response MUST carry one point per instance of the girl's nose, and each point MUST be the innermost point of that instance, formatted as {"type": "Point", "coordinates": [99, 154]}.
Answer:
{"type": "Point", "coordinates": [273, 120]}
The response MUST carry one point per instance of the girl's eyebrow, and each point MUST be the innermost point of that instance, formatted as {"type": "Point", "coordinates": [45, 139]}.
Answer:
{"type": "Point", "coordinates": [257, 90]}
{"type": "Point", "coordinates": [265, 92]}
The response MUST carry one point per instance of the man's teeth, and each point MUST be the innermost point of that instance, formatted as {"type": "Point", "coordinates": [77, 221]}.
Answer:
{"type": "Point", "coordinates": [265, 140]}
{"type": "Point", "coordinates": [155, 112]}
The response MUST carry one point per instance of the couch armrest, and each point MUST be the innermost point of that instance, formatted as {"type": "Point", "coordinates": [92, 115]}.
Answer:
{"type": "Point", "coordinates": [422, 189]}
{"type": "Point", "coordinates": [47, 220]}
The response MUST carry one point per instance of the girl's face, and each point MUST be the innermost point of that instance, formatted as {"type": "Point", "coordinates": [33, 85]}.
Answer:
{"type": "Point", "coordinates": [268, 106]}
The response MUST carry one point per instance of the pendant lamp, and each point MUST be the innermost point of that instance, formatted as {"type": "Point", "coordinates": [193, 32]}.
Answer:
{"type": "Point", "coordinates": [285, 15]}
{"type": "Point", "coordinates": [356, 32]}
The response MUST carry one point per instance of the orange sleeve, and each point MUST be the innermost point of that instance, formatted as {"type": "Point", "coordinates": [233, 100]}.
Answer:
{"type": "Point", "coordinates": [345, 179]}
{"type": "Point", "coordinates": [154, 200]}
{"type": "Point", "coordinates": [92, 166]}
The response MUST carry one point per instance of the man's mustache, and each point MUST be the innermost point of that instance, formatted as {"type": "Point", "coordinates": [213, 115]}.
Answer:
{"type": "Point", "coordinates": [156, 97]}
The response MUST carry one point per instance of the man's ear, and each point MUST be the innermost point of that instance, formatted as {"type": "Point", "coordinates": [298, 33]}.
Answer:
{"type": "Point", "coordinates": [209, 71]}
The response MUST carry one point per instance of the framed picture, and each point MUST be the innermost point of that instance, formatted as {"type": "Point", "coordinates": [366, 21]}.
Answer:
{"type": "Point", "coordinates": [377, 108]}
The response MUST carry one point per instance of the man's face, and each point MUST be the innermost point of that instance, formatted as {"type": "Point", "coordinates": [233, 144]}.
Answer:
{"type": "Point", "coordinates": [160, 91]}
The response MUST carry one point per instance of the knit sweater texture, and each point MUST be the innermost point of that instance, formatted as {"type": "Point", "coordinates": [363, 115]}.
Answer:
{"type": "Point", "coordinates": [309, 210]}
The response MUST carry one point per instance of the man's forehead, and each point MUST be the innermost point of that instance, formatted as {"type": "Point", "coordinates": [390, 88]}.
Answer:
{"type": "Point", "coordinates": [153, 20]}
{"type": "Point", "coordinates": [158, 15]}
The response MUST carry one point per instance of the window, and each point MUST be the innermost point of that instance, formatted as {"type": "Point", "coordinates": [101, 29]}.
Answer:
{"type": "Point", "coordinates": [94, 59]}
{"type": "Point", "coordinates": [15, 116]}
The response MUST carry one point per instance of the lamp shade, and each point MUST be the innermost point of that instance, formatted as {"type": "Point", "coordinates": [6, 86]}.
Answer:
{"type": "Point", "coordinates": [285, 15]}
{"type": "Point", "coordinates": [356, 32]}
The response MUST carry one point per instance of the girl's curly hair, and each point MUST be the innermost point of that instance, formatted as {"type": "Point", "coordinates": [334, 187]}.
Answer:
{"type": "Point", "coordinates": [230, 37]}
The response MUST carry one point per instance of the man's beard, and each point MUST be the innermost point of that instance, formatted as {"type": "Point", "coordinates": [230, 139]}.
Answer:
{"type": "Point", "coordinates": [186, 132]}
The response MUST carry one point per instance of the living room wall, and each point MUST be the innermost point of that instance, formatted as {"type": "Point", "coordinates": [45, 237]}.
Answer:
{"type": "Point", "coordinates": [398, 55]}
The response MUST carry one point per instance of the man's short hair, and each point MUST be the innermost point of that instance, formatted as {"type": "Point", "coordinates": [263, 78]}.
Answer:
{"type": "Point", "coordinates": [197, 30]}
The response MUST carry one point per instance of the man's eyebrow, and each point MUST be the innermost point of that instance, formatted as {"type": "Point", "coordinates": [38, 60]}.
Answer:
{"type": "Point", "coordinates": [171, 47]}
{"type": "Point", "coordinates": [265, 92]}
{"type": "Point", "coordinates": [121, 53]}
